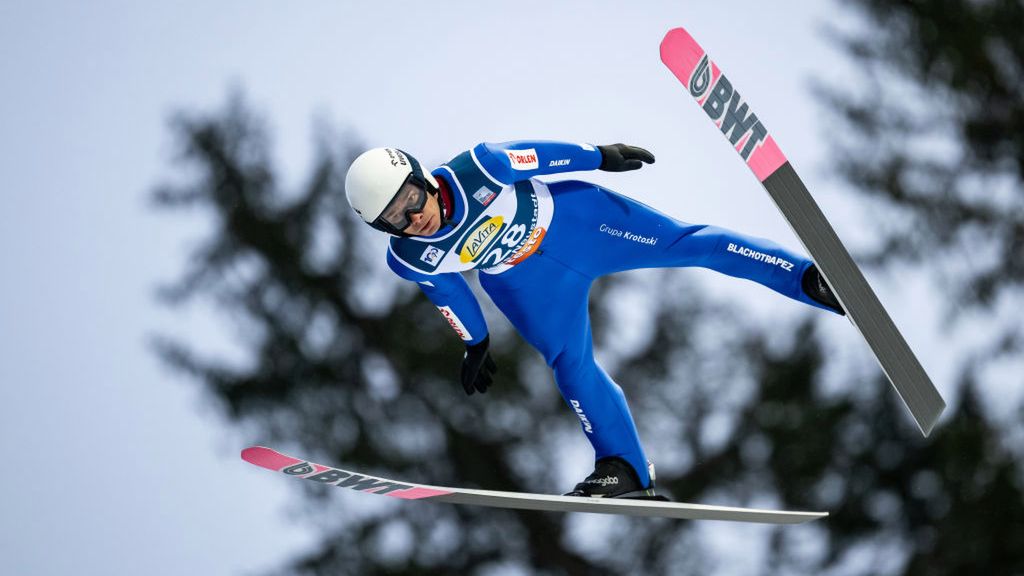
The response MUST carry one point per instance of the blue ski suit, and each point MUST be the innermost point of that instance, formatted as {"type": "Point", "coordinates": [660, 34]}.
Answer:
{"type": "Point", "coordinates": [539, 247]}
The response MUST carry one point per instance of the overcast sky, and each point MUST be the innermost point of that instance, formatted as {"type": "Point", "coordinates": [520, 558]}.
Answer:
{"type": "Point", "coordinates": [113, 465]}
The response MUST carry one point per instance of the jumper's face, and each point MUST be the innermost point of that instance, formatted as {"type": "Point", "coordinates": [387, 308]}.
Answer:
{"type": "Point", "coordinates": [414, 210]}
{"type": "Point", "coordinates": [427, 221]}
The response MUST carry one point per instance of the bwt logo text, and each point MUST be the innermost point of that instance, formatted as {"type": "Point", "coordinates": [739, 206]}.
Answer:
{"type": "Point", "coordinates": [725, 104]}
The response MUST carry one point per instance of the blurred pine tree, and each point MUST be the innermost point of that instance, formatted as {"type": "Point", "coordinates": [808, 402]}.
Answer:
{"type": "Point", "coordinates": [349, 365]}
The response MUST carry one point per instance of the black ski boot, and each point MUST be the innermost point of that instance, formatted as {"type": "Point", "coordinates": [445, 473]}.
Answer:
{"type": "Point", "coordinates": [613, 477]}
{"type": "Point", "coordinates": [817, 289]}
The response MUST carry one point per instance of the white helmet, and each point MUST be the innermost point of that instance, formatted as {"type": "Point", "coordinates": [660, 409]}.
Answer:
{"type": "Point", "coordinates": [376, 176]}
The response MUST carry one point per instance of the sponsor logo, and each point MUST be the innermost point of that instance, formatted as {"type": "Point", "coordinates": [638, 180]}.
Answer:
{"type": "Point", "coordinates": [455, 323]}
{"type": "Point", "coordinates": [726, 108]}
{"type": "Point", "coordinates": [523, 159]}
{"type": "Point", "coordinates": [396, 156]}
{"type": "Point", "coordinates": [532, 243]}
{"type": "Point", "coordinates": [432, 255]}
{"type": "Point", "coordinates": [344, 479]}
{"type": "Point", "coordinates": [700, 78]}
{"type": "Point", "coordinates": [627, 235]}
{"type": "Point", "coordinates": [484, 195]}
{"type": "Point", "coordinates": [480, 239]}
{"type": "Point", "coordinates": [760, 257]}
{"type": "Point", "coordinates": [587, 427]}
{"type": "Point", "coordinates": [606, 481]}
{"type": "Point", "coordinates": [564, 162]}
{"type": "Point", "coordinates": [536, 207]}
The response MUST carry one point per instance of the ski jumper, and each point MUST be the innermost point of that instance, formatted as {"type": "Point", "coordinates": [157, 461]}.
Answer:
{"type": "Point", "coordinates": [540, 246]}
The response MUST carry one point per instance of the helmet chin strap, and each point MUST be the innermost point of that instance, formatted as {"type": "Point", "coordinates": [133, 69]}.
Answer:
{"type": "Point", "coordinates": [445, 202]}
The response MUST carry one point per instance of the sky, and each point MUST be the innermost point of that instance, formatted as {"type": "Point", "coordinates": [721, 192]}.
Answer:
{"type": "Point", "coordinates": [113, 462]}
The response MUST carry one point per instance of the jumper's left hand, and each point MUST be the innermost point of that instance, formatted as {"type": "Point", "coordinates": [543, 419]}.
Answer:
{"type": "Point", "coordinates": [621, 157]}
{"type": "Point", "coordinates": [478, 367]}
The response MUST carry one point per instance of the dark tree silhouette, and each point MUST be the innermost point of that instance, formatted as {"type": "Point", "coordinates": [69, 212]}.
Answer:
{"type": "Point", "coordinates": [933, 135]}
{"type": "Point", "coordinates": [349, 365]}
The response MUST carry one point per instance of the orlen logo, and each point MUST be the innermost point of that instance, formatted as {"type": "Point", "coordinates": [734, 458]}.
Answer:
{"type": "Point", "coordinates": [480, 239]}
{"type": "Point", "coordinates": [455, 323]}
{"type": "Point", "coordinates": [726, 108]}
{"type": "Point", "coordinates": [523, 159]}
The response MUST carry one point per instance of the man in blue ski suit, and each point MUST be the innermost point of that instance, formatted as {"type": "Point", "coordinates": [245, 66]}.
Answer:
{"type": "Point", "coordinates": [539, 247]}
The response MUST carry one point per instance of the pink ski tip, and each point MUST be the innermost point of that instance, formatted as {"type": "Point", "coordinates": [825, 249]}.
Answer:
{"type": "Point", "coordinates": [676, 39]}
{"type": "Point", "coordinates": [267, 458]}
{"type": "Point", "coordinates": [677, 35]}
{"type": "Point", "coordinates": [680, 53]}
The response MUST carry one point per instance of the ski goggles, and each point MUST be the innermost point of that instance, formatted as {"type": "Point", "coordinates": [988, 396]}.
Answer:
{"type": "Point", "coordinates": [410, 199]}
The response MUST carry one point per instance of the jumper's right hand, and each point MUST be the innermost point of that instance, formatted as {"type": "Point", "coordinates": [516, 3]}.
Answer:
{"type": "Point", "coordinates": [478, 367]}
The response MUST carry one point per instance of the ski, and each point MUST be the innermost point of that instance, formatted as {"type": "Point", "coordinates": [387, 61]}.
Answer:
{"type": "Point", "coordinates": [278, 462]}
{"type": "Point", "coordinates": [719, 99]}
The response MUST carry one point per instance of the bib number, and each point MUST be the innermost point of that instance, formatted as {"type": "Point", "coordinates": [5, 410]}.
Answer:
{"type": "Point", "coordinates": [512, 237]}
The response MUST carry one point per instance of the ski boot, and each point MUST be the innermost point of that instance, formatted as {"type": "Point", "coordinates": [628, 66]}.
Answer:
{"type": "Point", "coordinates": [817, 289]}
{"type": "Point", "coordinates": [613, 477]}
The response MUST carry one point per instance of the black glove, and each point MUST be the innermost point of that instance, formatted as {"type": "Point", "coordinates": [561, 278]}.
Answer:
{"type": "Point", "coordinates": [478, 367]}
{"type": "Point", "coordinates": [620, 157]}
